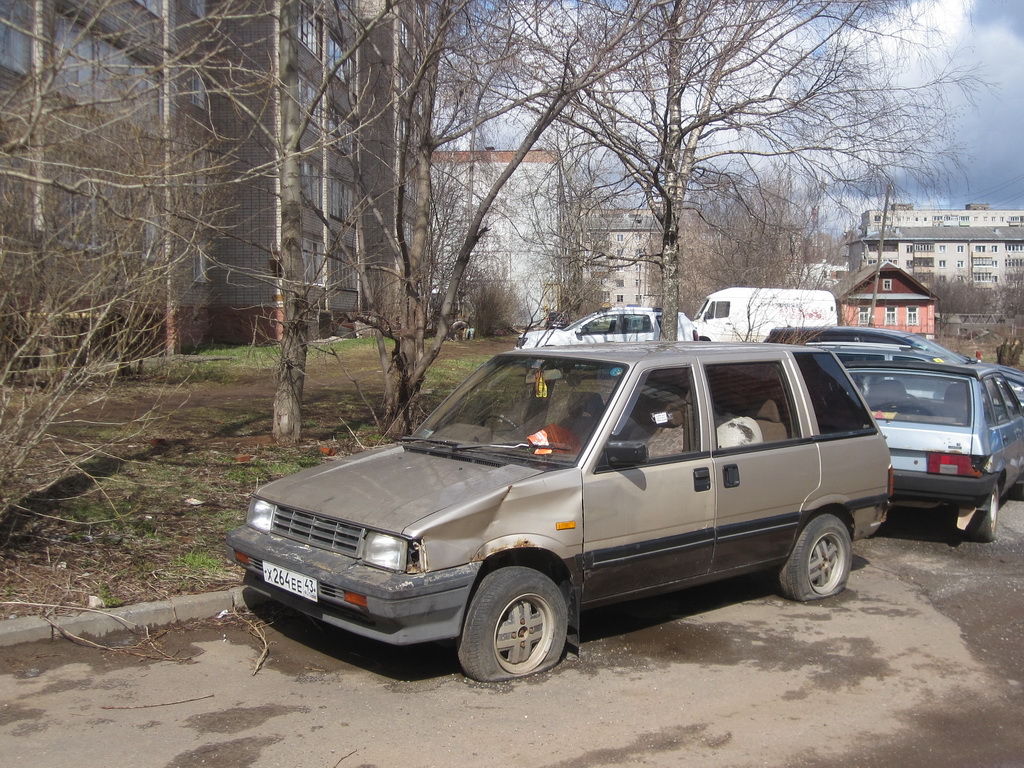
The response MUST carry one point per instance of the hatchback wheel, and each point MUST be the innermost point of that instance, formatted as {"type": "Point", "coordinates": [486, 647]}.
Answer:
{"type": "Point", "coordinates": [515, 626]}
{"type": "Point", "coordinates": [986, 518]}
{"type": "Point", "coordinates": [820, 562]}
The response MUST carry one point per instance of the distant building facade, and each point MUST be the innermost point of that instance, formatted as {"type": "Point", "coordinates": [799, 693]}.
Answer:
{"type": "Point", "coordinates": [623, 247]}
{"type": "Point", "coordinates": [978, 244]}
{"type": "Point", "coordinates": [230, 290]}
{"type": "Point", "coordinates": [519, 248]}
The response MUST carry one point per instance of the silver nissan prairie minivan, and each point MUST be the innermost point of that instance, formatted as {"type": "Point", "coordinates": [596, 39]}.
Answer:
{"type": "Point", "coordinates": [556, 480]}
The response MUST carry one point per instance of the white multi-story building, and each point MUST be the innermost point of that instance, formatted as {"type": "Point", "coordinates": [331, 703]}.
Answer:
{"type": "Point", "coordinates": [978, 244]}
{"type": "Point", "coordinates": [622, 243]}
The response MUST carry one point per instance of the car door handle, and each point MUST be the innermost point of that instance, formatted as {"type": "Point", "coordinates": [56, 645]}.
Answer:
{"type": "Point", "coordinates": [701, 479]}
{"type": "Point", "coordinates": [730, 475]}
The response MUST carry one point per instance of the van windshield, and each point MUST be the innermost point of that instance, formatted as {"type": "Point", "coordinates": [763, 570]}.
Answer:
{"type": "Point", "coordinates": [539, 406]}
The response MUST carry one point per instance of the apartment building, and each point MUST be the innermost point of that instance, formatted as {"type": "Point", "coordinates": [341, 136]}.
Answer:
{"type": "Point", "coordinates": [622, 244]}
{"type": "Point", "coordinates": [203, 143]}
{"type": "Point", "coordinates": [519, 248]}
{"type": "Point", "coordinates": [979, 244]}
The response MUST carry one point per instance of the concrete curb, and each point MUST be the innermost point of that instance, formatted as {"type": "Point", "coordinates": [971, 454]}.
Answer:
{"type": "Point", "coordinates": [95, 624]}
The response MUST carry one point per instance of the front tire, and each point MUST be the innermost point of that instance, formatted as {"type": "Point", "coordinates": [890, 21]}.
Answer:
{"type": "Point", "coordinates": [985, 519]}
{"type": "Point", "coordinates": [515, 626]}
{"type": "Point", "coordinates": [820, 562]}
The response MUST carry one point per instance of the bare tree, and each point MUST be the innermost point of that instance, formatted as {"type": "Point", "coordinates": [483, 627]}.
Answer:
{"type": "Point", "coordinates": [721, 86]}
{"type": "Point", "coordinates": [102, 221]}
{"type": "Point", "coordinates": [463, 66]}
{"type": "Point", "coordinates": [763, 234]}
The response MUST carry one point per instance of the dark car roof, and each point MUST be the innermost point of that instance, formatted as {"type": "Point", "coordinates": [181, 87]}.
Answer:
{"type": "Point", "coordinates": [974, 371]}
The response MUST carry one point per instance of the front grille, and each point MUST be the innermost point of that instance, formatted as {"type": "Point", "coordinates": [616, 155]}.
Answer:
{"type": "Point", "coordinates": [323, 532]}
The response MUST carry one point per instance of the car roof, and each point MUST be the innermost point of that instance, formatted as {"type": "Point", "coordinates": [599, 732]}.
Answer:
{"type": "Point", "coordinates": [974, 371]}
{"type": "Point", "coordinates": [630, 353]}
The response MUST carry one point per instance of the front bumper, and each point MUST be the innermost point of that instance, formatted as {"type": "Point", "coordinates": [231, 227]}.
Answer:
{"type": "Point", "coordinates": [401, 608]}
{"type": "Point", "coordinates": [909, 485]}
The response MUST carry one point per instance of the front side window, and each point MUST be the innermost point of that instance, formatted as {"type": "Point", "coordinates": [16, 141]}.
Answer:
{"type": "Point", "coordinates": [662, 415]}
{"type": "Point", "coordinates": [751, 403]}
{"type": "Point", "coordinates": [603, 325]}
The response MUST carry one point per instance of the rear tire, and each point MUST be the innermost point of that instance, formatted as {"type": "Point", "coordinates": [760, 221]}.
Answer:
{"type": "Point", "coordinates": [820, 562]}
{"type": "Point", "coordinates": [515, 626]}
{"type": "Point", "coordinates": [986, 519]}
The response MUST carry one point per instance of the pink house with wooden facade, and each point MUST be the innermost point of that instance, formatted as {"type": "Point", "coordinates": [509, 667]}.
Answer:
{"type": "Point", "coordinates": [901, 301]}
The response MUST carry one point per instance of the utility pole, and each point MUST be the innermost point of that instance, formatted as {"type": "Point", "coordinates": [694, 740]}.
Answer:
{"type": "Point", "coordinates": [881, 249]}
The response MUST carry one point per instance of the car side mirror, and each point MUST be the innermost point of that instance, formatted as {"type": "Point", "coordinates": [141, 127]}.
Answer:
{"type": "Point", "coordinates": [622, 454]}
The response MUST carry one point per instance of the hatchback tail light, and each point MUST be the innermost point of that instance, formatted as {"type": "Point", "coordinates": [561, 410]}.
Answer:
{"type": "Point", "coordinates": [952, 464]}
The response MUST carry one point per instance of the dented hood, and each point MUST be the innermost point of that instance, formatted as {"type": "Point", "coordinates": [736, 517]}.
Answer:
{"type": "Point", "coordinates": [390, 488]}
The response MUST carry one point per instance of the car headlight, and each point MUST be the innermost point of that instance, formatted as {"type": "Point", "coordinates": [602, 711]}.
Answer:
{"type": "Point", "coordinates": [261, 514]}
{"type": "Point", "coordinates": [384, 551]}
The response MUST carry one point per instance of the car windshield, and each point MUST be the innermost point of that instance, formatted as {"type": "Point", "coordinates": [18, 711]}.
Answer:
{"type": "Point", "coordinates": [521, 405]}
{"type": "Point", "coordinates": [916, 397]}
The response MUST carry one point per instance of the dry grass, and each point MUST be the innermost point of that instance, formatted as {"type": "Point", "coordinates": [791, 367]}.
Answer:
{"type": "Point", "coordinates": [148, 520]}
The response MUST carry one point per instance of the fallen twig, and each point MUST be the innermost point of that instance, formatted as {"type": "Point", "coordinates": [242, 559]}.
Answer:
{"type": "Point", "coordinates": [256, 629]}
{"type": "Point", "coordinates": [165, 704]}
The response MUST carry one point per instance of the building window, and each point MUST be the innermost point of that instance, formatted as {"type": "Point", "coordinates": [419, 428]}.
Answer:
{"type": "Point", "coordinates": [979, 249]}
{"type": "Point", "coordinates": [890, 315]}
{"type": "Point", "coordinates": [942, 263]}
{"type": "Point", "coordinates": [995, 249]}
{"type": "Point", "coordinates": [340, 199]}
{"type": "Point", "coordinates": [197, 91]}
{"type": "Point", "coordinates": [619, 298]}
{"type": "Point", "coordinates": [201, 266]}
{"type": "Point", "coordinates": [863, 316]}
{"type": "Point", "coordinates": [313, 261]}
{"type": "Point", "coordinates": [334, 54]}
{"type": "Point", "coordinates": [960, 263]}
{"type": "Point", "coordinates": [307, 29]}
{"type": "Point", "coordinates": [887, 285]}
{"type": "Point", "coordinates": [15, 50]}
{"type": "Point", "coordinates": [310, 173]}
{"type": "Point", "coordinates": [942, 249]}
{"type": "Point", "coordinates": [912, 318]}
{"type": "Point", "coordinates": [620, 237]}
{"type": "Point", "coordinates": [959, 249]}
{"type": "Point", "coordinates": [638, 297]}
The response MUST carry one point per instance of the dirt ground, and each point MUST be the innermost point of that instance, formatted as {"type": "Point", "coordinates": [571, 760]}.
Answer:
{"type": "Point", "coordinates": [147, 520]}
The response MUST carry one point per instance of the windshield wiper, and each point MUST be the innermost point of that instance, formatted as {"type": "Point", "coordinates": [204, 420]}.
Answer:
{"type": "Point", "coordinates": [470, 446]}
{"type": "Point", "coordinates": [430, 440]}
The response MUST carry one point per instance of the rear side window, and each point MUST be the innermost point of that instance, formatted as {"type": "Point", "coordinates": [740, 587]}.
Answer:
{"type": "Point", "coordinates": [637, 324]}
{"type": "Point", "coordinates": [833, 398]}
{"type": "Point", "coordinates": [1000, 410]}
{"type": "Point", "coordinates": [751, 403]}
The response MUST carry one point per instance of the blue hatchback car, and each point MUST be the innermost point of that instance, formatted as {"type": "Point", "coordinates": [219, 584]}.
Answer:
{"type": "Point", "coordinates": [955, 434]}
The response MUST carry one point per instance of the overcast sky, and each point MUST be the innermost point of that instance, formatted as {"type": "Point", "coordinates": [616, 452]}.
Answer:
{"type": "Point", "coordinates": [989, 33]}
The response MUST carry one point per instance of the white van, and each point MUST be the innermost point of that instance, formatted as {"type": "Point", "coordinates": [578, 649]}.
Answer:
{"type": "Point", "coordinates": [748, 314]}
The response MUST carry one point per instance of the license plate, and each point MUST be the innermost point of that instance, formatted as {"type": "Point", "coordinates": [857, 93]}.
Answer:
{"type": "Point", "coordinates": [296, 583]}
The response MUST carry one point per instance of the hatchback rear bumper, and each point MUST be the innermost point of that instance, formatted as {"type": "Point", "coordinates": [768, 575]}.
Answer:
{"type": "Point", "coordinates": [953, 489]}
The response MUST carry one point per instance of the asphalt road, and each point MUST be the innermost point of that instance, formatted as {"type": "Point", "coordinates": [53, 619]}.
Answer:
{"type": "Point", "coordinates": [919, 663]}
